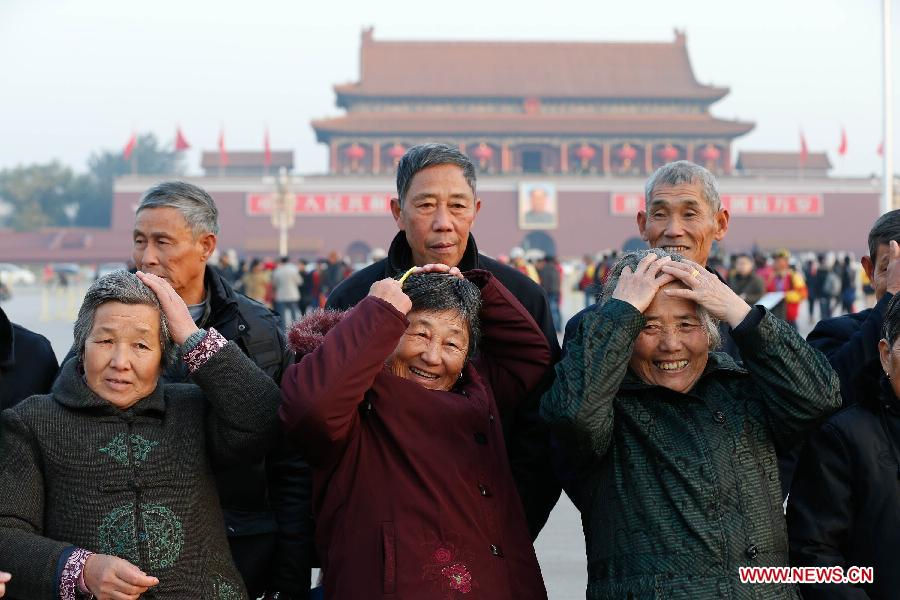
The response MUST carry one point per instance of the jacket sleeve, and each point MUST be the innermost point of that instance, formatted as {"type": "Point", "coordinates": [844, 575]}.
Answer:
{"type": "Point", "coordinates": [854, 355]}
{"type": "Point", "coordinates": [818, 531]}
{"type": "Point", "coordinates": [579, 404]}
{"type": "Point", "coordinates": [515, 354]}
{"type": "Point", "coordinates": [24, 552]}
{"type": "Point", "coordinates": [242, 401]}
{"type": "Point", "coordinates": [323, 391]}
{"type": "Point", "coordinates": [798, 387]}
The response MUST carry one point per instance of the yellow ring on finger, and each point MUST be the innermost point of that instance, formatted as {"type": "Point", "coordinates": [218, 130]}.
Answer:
{"type": "Point", "coordinates": [695, 273]}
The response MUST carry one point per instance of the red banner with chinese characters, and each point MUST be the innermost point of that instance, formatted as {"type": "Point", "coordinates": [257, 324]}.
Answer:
{"type": "Point", "coordinates": [327, 204]}
{"type": "Point", "coordinates": [743, 205]}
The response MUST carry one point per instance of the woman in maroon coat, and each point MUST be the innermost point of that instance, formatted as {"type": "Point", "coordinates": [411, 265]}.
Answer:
{"type": "Point", "coordinates": [412, 491]}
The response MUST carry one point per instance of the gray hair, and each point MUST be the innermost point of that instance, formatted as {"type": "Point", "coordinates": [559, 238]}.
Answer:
{"type": "Point", "coordinates": [631, 261]}
{"type": "Point", "coordinates": [885, 229]}
{"type": "Point", "coordinates": [430, 155]}
{"type": "Point", "coordinates": [436, 292]}
{"type": "Point", "coordinates": [194, 204]}
{"type": "Point", "coordinates": [120, 286]}
{"type": "Point", "coordinates": [683, 171]}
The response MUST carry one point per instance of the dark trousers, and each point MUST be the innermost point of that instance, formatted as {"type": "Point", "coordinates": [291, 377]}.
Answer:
{"type": "Point", "coordinates": [253, 556]}
{"type": "Point", "coordinates": [289, 311]}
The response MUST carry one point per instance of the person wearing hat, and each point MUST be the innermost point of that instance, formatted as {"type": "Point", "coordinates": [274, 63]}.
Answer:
{"type": "Point", "coordinates": [782, 278]}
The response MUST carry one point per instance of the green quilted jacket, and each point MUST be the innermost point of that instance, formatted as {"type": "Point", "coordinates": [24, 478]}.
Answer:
{"type": "Point", "coordinates": [680, 490]}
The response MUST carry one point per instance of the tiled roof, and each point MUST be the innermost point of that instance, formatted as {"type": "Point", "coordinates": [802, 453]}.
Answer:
{"type": "Point", "coordinates": [624, 70]}
{"type": "Point", "coordinates": [781, 161]}
{"type": "Point", "coordinates": [280, 158]}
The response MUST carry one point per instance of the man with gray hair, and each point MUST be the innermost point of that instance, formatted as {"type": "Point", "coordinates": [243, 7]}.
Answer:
{"type": "Point", "coordinates": [266, 504]}
{"type": "Point", "coordinates": [435, 208]}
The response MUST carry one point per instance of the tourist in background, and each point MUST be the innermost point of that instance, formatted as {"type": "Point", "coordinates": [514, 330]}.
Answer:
{"type": "Point", "coordinates": [550, 274]}
{"type": "Point", "coordinates": [783, 278]}
{"type": "Point", "coordinates": [744, 281]}
{"type": "Point", "coordinates": [828, 285]}
{"type": "Point", "coordinates": [811, 268]}
{"type": "Point", "coordinates": [256, 281]}
{"type": "Point", "coordinates": [848, 285]}
{"type": "Point", "coordinates": [286, 281]}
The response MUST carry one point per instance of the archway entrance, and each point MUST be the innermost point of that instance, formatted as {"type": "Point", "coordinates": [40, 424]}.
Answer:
{"type": "Point", "coordinates": [539, 240]}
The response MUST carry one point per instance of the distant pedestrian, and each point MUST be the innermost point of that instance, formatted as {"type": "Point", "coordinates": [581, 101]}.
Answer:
{"type": "Point", "coordinates": [745, 282]}
{"type": "Point", "coordinates": [256, 281]}
{"type": "Point", "coordinates": [286, 281]}
{"type": "Point", "coordinates": [848, 286]}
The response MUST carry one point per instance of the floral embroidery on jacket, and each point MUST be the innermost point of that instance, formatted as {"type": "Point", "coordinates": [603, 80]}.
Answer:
{"type": "Point", "coordinates": [211, 343]}
{"type": "Point", "coordinates": [140, 448]}
{"type": "Point", "coordinates": [224, 589]}
{"type": "Point", "coordinates": [162, 534]}
{"type": "Point", "coordinates": [447, 568]}
{"type": "Point", "coordinates": [71, 573]}
{"type": "Point", "coordinates": [459, 576]}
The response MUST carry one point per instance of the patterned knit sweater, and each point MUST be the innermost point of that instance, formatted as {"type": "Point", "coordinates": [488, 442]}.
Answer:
{"type": "Point", "coordinates": [135, 483]}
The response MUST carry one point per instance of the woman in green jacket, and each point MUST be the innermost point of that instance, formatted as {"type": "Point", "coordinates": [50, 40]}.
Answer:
{"type": "Point", "coordinates": [676, 443]}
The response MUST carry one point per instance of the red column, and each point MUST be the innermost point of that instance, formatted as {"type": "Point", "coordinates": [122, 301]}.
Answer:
{"type": "Point", "coordinates": [648, 158]}
{"type": "Point", "coordinates": [689, 151]}
{"type": "Point", "coordinates": [333, 160]}
{"type": "Point", "coordinates": [504, 158]}
{"type": "Point", "coordinates": [607, 161]}
{"type": "Point", "coordinates": [376, 157]}
{"type": "Point", "coordinates": [564, 157]}
{"type": "Point", "coordinates": [726, 157]}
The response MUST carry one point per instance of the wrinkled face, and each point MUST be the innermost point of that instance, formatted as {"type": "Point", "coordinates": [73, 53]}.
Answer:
{"type": "Point", "coordinates": [673, 347]}
{"type": "Point", "coordinates": [122, 354]}
{"type": "Point", "coordinates": [876, 269]}
{"type": "Point", "coordinates": [744, 265]}
{"type": "Point", "coordinates": [437, 214]}
{"type": "Point", "coordinates": [165, 246]}
{"type": "Point", "coordinates": [678, 219]}
{"type": "Point", "coordinates": [890, 362]}
{"type": "Point", "coordinates": [433, 350]}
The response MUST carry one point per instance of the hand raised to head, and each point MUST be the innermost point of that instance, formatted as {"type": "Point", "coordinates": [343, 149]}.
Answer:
{"type": "Point", "coordinates": [113, 578]}
{"type": "Point", "coordinates": [638, 288]}
{"type": "Point", "coordinates": [708, 291]}
{"type": "Point", "coordinates": [439, 268]}
{"type": "Point", "coordinates": [181, 325]}
{"type": "Point", "coordinates": [390, 290]}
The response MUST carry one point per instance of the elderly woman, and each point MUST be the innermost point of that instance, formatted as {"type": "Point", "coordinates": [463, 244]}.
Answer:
{"type": "Point", "coordinates": [107, 484]}
{"type": "Point", "coordinates": [412, 492]}
{"type": "Point", "coordinates": [844, 508]}
{"type": "Point", "coordinates": [678, 442]}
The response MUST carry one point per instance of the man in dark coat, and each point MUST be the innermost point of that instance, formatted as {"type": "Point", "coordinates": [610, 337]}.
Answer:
{"type": "Point", "coordinates": [434, 210]}
{"type": "Point", "coordinates": [27, 363]}
{"type": "Point", "coordinates": [267, 504]}
{"type": "Point", "coordinates": [850, 342]}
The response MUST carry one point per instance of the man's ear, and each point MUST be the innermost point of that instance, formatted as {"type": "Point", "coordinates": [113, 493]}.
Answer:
{"type": "Point", "coordinates": [477, 204]}
{"type": "Point", "coordinates": [397, 212]}
{"type": "Point", "coordinates": [722, 217]}
{"type": "Point", "coordinates": [208, 243]}
{"type": "Point", "coordinates": [884, 353]}
{"type": "Point", "coordinates": [642, 224]}
{"type": "Point", "coordinates": [868, 266]}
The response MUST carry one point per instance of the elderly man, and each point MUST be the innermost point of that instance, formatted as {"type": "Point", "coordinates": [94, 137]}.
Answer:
{"type": "Point", "coordinates": [435, 208]}
{"type": "Point", "coordinates": [266, 506]}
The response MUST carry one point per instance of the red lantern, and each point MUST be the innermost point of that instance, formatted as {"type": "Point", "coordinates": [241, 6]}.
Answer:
{"type": "Point", "coordinates": [627, 153]}
{"type": "Point", "coordinates": [483, 152]}
{"type": "Point", "coordinates": [668, 153]}
{"type": "Point", "coordinates": [355, 152]}
{"type": "Point", "coordinates": [397, 151]}
{"type": "Point", "coordinates": [710, 153]}
{"type": "Point", "coordinates": [585, 152]}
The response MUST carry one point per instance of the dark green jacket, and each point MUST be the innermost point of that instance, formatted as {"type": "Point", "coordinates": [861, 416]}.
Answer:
{"type": "Point", "coordinates": [138, 483]}
{"type": "Point", "coordinates": [683, 488]}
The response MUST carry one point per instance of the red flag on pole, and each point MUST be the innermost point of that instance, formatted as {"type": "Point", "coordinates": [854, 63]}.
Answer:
{"type": "Point", "coordinates": [804, 150]}
{"type": "Point", "coordinates": [180, 142]}
{"type": "Point", "coordinates": [267, 158]}
{"type": "Point", "coordinates": [223, 155]}
{"type": "Point", "coordinates": [129, 147]}
{"type": "Point", "coordinates": [881, 148]}
{"type": "Point", "coordinates": [842, 149]}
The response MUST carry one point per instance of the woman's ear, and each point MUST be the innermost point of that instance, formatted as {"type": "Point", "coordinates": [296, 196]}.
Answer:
{"type": "Point", "coordinates": [884, 353]}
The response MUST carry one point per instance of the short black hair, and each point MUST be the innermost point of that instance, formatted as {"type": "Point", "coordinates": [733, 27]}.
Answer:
{"type": "Point", "coordinates": [431, 155]}
{"type": "Point", "coordinates": [435, 292]}
{"type": "Point", "coordinates": [885, 229]}
{"type": "Point", "coordinates": [890, 329]}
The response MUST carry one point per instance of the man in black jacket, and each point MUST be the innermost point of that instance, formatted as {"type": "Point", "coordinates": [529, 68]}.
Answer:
{"type": "Point", "coordinates": [267, 505]}
{"type": "Point", "coordinates": [435, 208]}
{"type": "Point", "coordinates": [850, 342]}
{"type": "Point", "coordinates": [27, 363]}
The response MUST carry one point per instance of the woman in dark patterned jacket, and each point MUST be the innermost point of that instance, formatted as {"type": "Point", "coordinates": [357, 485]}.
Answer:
{"type": "Point", "coordinates": [107, 482]}
{"type": "Point", "coordinates": [678, 442]}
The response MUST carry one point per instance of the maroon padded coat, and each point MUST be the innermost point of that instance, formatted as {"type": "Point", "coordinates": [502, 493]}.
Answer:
{"type": "Point", "coordinates": [412, 491]}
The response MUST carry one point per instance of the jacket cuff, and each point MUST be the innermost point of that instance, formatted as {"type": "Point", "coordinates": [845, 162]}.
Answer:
{"type": "Point", "coordinates": [751, 321]}
{"type": "Point", "coordinates": [211, 343]}
{"type": "Point", "coordinates": [192, 341]}
{"type": "Point", "coordinates": [71, 580]}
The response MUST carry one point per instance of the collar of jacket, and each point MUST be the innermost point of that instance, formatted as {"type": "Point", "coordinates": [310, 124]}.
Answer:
{"type": "Point", "coordinates": [400, 258]}
{"type": "Point", "coordinates": [717, 363]}
{"type": "Point", "coordinates": [223, 305]}
{"type": "Point", "coordinates": [887, 395]}
{"type": "Point", "coordinates": [72, 391]}
{"type": "Point", "coordinates": [7, 341]}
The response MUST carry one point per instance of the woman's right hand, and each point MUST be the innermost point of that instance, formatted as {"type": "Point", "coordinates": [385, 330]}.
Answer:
{"type": "Point", "coordinates": [638, 288]}
{"type": "Point", "coordinates": [390, 290]}
{"type": "Point", "coordinates": [113, 578]}
{"type": "Point", "coordinates": [4, 579]}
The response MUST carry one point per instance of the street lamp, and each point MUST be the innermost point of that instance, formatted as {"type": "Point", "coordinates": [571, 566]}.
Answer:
{"type": "Point", "coordinates": [284, 205]}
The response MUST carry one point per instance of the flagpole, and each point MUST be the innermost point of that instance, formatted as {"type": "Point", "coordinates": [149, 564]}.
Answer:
{"type": "Point", "coordinates": [887, 199]}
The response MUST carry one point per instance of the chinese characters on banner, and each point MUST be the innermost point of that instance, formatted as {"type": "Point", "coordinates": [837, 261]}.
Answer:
{"type": "Point", "coordinates": [325, 204]}
{"type": "Point", "coordinates": [744, 205]}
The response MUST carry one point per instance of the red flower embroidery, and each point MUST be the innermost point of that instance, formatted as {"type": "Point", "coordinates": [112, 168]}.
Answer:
{"type": "Point", "coordinates": [460, 578]}
{"type": "Point", "coordinates": [442, 556]}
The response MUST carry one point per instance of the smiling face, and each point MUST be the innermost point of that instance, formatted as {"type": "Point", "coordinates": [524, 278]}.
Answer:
{"type": "Point", "coordinates": [673, 348]}
{"type": "Point", "coordinates": [433, 349]}
{"type": "Point", "coordinates": [679, 220]}
{"type": "Point", "coordinates": [437, 214]}
{"type": "Point", "coordinates": [122, 353]}
{"type": "Point", "coordinates": [165, 245]}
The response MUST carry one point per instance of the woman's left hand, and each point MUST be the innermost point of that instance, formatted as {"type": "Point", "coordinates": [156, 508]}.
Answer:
{"type": "Point", "coordinates": [181, 325]}
{"type": "Point", "coordinates": [707, 290]}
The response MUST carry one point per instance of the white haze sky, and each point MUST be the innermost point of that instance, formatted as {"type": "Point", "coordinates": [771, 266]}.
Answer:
{"type": "Point", "coordinates": [77, 76]}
